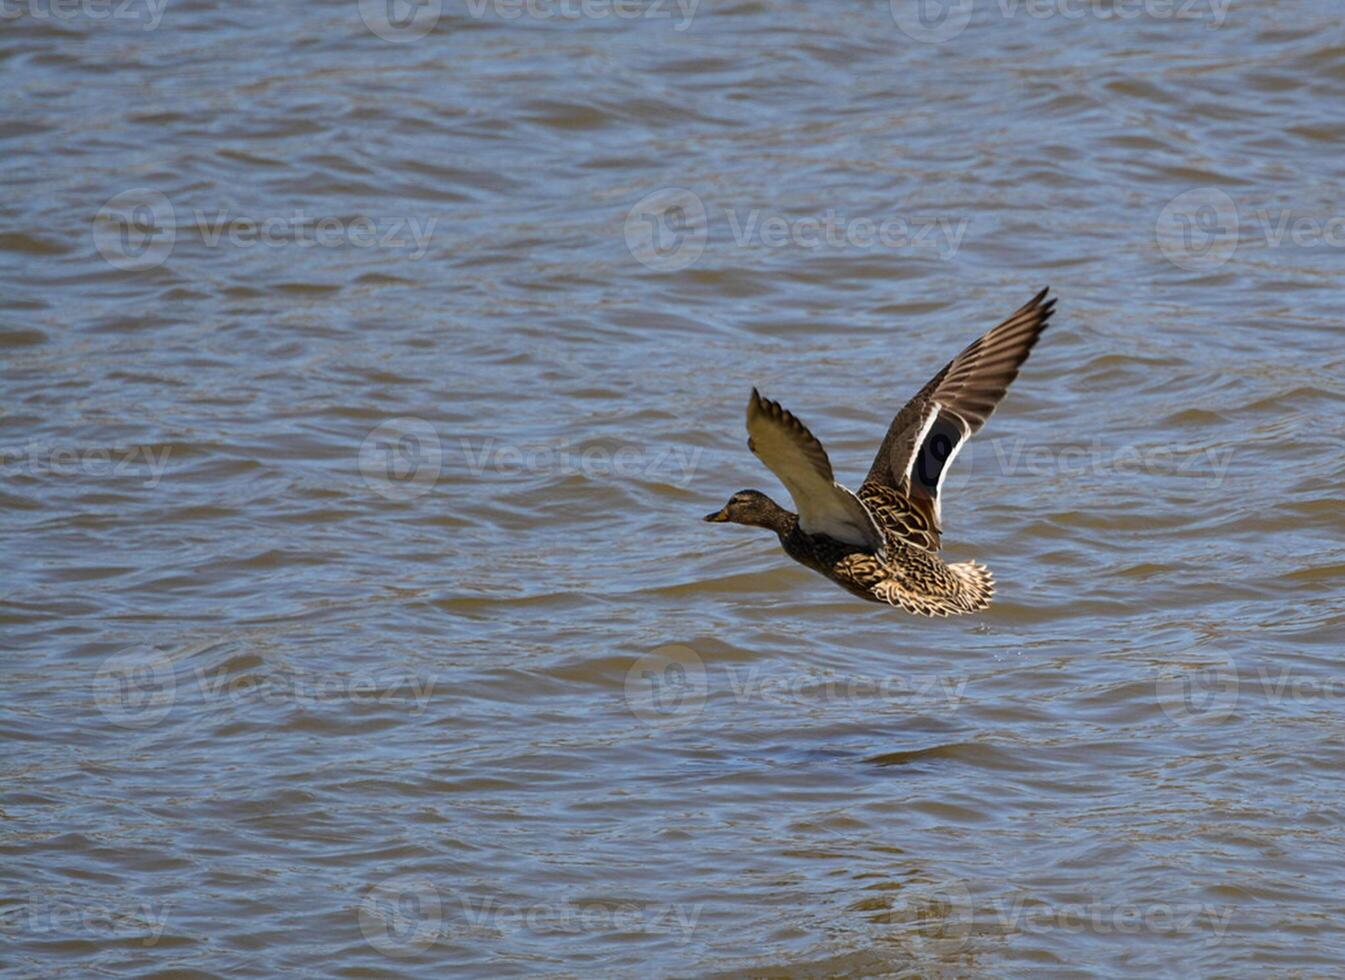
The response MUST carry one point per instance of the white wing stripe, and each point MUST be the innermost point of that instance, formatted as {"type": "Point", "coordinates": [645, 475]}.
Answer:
{"type": "Point", "coordinates": [918, 444]}
{"type": "Point", "coordinates": [943, 475]}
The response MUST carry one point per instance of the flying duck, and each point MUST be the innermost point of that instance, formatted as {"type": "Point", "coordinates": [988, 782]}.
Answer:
{"type": "Point", "coordinates": [882, 543]}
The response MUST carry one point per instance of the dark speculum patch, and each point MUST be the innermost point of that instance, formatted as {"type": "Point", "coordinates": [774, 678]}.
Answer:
{"type": "Point", "coordinates": [940, 443]}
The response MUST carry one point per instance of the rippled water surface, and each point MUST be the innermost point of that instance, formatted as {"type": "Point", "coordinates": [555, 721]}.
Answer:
{"type": "Point", "coordinates": [365, 380]}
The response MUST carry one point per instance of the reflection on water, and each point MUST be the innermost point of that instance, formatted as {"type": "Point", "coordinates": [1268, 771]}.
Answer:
{"type": "Point", "coordinates": [368, 370]}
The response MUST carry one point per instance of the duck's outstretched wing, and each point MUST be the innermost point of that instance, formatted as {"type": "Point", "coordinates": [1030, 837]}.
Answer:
{"type": "Point", "coordinates": [795, 456]}
{"type": "Point", "coordinates": [927, 434]}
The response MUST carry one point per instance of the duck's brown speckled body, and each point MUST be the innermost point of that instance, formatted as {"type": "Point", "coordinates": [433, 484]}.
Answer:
{"type": "Point", "coordinates": [907, 574]}
{"type": "Point", "coordinates": [882, 543]}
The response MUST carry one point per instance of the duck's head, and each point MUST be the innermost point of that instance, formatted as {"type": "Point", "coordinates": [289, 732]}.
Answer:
{"type": "Point", "coordinates": [751, 507]}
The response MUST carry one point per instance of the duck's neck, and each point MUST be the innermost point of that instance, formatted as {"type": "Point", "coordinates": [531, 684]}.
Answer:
{"type": "Point", "coordinates": [781, 521]}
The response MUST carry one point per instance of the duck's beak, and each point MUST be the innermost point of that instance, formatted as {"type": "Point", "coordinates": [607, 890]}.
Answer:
{"type": "Point", "coordinates": [719, 516]}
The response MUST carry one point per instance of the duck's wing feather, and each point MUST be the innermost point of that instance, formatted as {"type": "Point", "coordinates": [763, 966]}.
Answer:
{"type": "Point", "coordinates": [795, 456]}
{"type": "Point", "coordinates": [934, 425]}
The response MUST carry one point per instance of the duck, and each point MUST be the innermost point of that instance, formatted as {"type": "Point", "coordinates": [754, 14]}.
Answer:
{"type": "Point", "coordinates": [882, 542]}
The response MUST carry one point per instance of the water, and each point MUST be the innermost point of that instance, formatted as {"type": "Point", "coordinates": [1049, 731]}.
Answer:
{"type": "Point", "coordinates": [359, 418]}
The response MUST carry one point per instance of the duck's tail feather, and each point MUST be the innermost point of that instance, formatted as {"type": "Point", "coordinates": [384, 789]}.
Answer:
{"type": "Point", "coordinates": [976, 586]}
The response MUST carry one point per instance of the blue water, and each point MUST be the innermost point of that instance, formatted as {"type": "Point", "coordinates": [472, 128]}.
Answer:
{"type": "Point", "coordinates": [366, 379]}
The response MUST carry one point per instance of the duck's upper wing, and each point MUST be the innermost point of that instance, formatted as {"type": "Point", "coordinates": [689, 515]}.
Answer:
{"type": "Point", "coordinates": [795, 456]}
{"type": "Point", "coordinates": [934, 425]}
